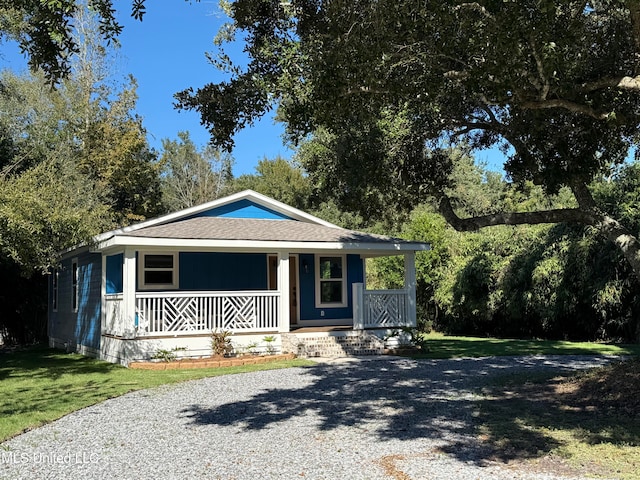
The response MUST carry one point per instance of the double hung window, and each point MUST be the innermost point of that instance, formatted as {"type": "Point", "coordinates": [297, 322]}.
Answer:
{"type": "Point", "coordinates": [331, 281]}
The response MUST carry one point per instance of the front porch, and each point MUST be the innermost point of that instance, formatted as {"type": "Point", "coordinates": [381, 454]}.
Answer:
{"type": "Point", "coordinates": [174, 314]}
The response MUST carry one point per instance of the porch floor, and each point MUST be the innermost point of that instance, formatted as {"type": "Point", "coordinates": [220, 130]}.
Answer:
{"type": "Point", "coordinates": [320, 329]}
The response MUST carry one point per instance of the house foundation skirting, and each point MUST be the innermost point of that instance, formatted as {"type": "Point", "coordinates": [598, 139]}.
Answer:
{"type": "Point", "coordinates": [125, 351]}
{"type": "Point", "coordinates": [321, 343]}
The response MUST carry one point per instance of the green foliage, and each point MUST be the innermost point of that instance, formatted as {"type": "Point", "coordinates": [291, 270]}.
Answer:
{"type": "Point", "coordinates": [329, 211]}
{"type": "Point", "coordinates": [525, 281]}
{"type": "Point", "coordinates": [192, 176]}
{"type": "Point", "coordinates": [116, 155]}
{"type": "Point", "coordinates": [269, 340]}
{"type": "Point", "coordinates": [44, 30]}
{"type": "Point", "coordinates": [168, 355]}
{"type": "Point", "coordinates": [221, 343]}
{"type": "Point", "coordinates": [490, 83]}
{"type": "Point", "coordinates": [46, 209]}
{"type": "Point", "coordinates": [540, 282]}
{"type": "Point", "coordinates": [277, 178]}
{"type": "Point", "coordinates": [74, 161]}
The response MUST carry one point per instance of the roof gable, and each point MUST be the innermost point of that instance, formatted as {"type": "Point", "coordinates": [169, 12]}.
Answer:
{"type": "Point", "coordinates": [246, 202]}
{"type": "Point", "coordinates": [244, 208]}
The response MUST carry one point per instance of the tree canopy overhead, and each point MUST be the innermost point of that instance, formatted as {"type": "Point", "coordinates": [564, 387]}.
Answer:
{"type": "Point", "coordinates": [553, 83]}
{"type": "Point", "coordinates": [44, 29]}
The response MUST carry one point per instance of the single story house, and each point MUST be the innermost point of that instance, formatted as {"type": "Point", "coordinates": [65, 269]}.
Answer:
{"type": "Point", "coordinates": [245, 263]}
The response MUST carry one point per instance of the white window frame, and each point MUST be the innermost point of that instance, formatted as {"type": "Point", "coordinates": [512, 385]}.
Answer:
{"type": "Point", "coordinates": [158, 286]}
{"type": "Point", "coordinates": [75, 285]}
{"type": "Point", "coordinates": [345, 300]}
{"type": "Point", "coordinates": [55, 287]}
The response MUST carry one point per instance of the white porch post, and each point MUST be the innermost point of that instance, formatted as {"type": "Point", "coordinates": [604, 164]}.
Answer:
{"type": "Point", "coordinates": [285, 291]}
{"type": "Point", "coordinates": [410, 286]}
{"type": "Point", "coordinates": [358, 306]}
{"type": "Point", "coordinates": [129, 293]}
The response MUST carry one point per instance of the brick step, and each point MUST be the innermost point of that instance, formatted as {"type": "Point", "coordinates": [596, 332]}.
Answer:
{"type": "Point", "coordinates": [334, 346]}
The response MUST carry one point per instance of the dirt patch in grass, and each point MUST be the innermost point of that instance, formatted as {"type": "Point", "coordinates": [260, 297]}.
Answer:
{"type": "Point", "coordinates": [587, 423]}
{"type": "Point", "coordinates": [614, 389]}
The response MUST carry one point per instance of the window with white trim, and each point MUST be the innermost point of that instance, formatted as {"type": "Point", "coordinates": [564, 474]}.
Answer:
{"type": "Point", "coordinates": [74, 284]}
{"type": "Point", "coordinates": [54, 289]}
{"type": "Point", "coordinates": [331, 281]}
{"type": "Point", "coordinates": [158, 270]}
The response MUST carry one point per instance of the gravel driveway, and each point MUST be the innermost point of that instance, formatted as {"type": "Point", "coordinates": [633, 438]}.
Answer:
{"type": "Point", "coordinates": [367, 418]}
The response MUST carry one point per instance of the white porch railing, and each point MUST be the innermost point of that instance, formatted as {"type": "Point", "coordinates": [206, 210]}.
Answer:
{"type": "Point", "coordinates": [185, 313]}
{"type": "Point", "coordinates": [380, 308]}
{"type": "Point", "coordinates": [114, 314]}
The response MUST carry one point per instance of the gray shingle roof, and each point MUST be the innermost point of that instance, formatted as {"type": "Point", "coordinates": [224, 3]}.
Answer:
{"type": "Point", "coordinates": [219, 228]}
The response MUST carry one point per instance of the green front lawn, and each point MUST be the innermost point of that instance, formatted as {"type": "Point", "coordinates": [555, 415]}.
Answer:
{"type": "Point", "coordinates": [39, 385]}
{"type": "Point", "coordinates": [441, 346]}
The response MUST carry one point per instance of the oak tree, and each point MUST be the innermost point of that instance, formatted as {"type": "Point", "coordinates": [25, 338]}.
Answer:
{"type": "Point", "coordinates": [554, 83]}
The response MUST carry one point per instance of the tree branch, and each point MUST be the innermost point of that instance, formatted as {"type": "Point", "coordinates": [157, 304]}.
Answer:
{"type": "Point", "coordinates": [583, 196]}
{"type": "Point", "coordinates": [634, 15]}
{"type": "Point", "coordinates": [475, 6]}
{"type": "Point", "coordinates": [624, 83]}
{"type": "Point", "coordinates": [567, 105]}
{"type": "Point", "coordinates": [562, 215]}
{"type": "Point", "coordinates": [545, 81]}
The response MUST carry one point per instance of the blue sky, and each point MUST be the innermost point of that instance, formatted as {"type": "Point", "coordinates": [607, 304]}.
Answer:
{"type": "Point", "coordinates": [166, 54]}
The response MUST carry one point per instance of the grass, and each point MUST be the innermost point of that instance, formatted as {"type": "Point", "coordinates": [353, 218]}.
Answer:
{"type": "Point", "coordinates": [441, 346]}
{"type": "Point", "coordinates": [586, 424]}
{"type": "Point", "coordinates": [39, 385]}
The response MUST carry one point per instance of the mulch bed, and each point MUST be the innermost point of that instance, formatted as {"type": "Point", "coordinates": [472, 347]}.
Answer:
{"type": "Point", "coordinates": [211, 362]}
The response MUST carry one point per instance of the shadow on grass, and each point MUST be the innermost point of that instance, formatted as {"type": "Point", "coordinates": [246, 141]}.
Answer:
{"type": "Point", "coordinates": [45, 362]}
{"type": "Point", "coordinates": [524, 416]}
{"type": "Point", "coordinates": [402, 399]}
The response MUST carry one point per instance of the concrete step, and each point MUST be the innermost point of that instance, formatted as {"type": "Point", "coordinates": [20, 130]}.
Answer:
{"type": "Point", "coordinates": [344, 345]}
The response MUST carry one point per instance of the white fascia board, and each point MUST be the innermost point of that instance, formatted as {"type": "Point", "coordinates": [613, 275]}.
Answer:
{"type": "Point", "coordinates": [220, 202]}
{"type": "Point", "coordinates": [244, 245]}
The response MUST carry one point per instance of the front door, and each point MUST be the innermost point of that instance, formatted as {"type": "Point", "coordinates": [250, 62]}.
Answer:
{"type": "Point", "coordinates": [293, 284]}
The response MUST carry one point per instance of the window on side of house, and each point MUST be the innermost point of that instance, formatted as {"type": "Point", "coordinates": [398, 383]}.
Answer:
{"type": "Point", "coordinates": [158, 270]}
{"type": "Point", "coordinates": [54, 290]}
{"type": "Point", "coordinates": [74, 284]}
{"type": "Point", "coordinates": [331, 281]}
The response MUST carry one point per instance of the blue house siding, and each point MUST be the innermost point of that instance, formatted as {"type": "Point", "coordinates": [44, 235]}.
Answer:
{"type": "Point", "coordinates": [82, 326]}
{"type": "Point", "coordinates": [243, 209]}
{"type": "Point", "coordinates": [223, 271]}
{"type": "Point", "coordinates": [308, 310]}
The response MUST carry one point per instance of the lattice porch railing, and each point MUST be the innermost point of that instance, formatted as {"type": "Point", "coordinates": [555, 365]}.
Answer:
{"type": "Point", "coordinates": [381, 308]}
{"type": "Point", "coordinates": [184, 313]}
